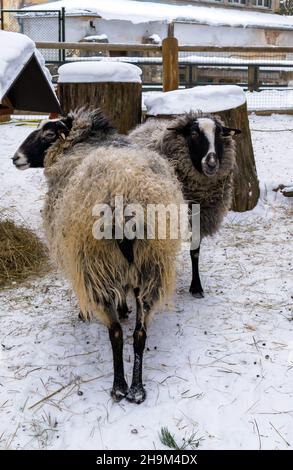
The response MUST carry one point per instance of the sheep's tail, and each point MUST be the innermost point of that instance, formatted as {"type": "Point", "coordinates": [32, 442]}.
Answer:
{"type": "Point", "coordinates": [126, 247]}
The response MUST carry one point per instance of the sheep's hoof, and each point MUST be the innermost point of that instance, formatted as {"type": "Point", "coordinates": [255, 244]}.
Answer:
{"type": "Point", "coordinates": [196, 292]}
{"type": "Point", "coordinates": [136, 394]}
{"type": "Point", "coordinates": [119, 391]}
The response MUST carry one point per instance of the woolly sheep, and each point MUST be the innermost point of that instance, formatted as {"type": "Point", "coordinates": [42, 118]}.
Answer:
{"type": "Point", "coordinates": [87, 163]}
{"type": "Point", "coordinates": [201, 150]}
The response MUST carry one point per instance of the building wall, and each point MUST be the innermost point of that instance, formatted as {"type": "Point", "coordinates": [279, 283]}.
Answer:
{"type": "Point", "coordinates": [275, 4]}
{"type": "Point", "coordinates": [44, 29]}
{"type": "Point", "coordinates": [36, 2]}
{"type": "Point", "coordinates": [202, 35]}
{"type": "Point", "coordinates": [16, 4]}
{"type": "Point", "coordinates": [10, 22]}
{"type": "Point", "coordinates": [241, 4]}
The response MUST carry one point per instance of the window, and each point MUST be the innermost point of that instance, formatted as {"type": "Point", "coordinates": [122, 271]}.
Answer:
{"type": "Point", "coordinates": [239, 2]}
{"type": "Point", "coordinates": [248, 3]}
{"type": "Point", "coordinates": [262, 3]}
{"type": "Point", "coordinates": [258, 3]}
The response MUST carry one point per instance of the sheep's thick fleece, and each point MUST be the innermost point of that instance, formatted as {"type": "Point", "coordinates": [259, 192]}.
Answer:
{"type": "Point", "coordinates": [213, 194]}
{"type": "Point", "coordinates": [81, 175]}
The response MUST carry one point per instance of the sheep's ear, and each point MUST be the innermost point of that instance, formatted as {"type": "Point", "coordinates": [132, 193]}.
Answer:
{"type": "Point", "coordinates": [226, 131]}
{"type": "Point", "coordinates": [64, 126]}
{"type": "Point", "coordinates": [67, 122]}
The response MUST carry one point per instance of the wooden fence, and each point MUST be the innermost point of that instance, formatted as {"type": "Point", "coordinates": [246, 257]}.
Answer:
{"type": "Point", "coordinates": [169, 51]}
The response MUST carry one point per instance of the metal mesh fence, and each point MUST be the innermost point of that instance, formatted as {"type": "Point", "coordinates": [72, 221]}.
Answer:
{"type": "Point", "coordinates": [39, 25]}
{"type": "Point", "coordinates": [150, 63]}
{"type": "Point", "coordinates": [267, 77]}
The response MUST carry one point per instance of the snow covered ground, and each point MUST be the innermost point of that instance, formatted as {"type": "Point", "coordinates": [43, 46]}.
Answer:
{"type": "Point", "coordinates": [220, 367]}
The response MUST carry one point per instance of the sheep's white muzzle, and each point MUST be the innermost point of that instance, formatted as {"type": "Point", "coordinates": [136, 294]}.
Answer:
{"type": "Point", "coordinates": [210, 164]}
{"type": "Point", "coordinates": [20, 161]}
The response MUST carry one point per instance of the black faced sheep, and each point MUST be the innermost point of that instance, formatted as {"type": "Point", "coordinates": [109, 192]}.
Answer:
{"type": "Point", "coordinates": [202, 152]}
{"type": "Point", "coordinates": [87, 163]}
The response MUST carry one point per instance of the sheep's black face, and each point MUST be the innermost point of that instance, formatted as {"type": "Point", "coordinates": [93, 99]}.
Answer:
{"type": "Point", "coordinates": [31, 153]}
{"type": "Point", "coordinates": [205, 138]}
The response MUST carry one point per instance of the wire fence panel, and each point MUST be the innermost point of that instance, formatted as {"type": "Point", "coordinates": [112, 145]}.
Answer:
{"type": "Point", "coordinates": [264, 73]}
{"type": "Point", "coordinates": [266, 76]}
{"type": "Point", "coordinates": [38, 25]}
{"type": "Point", "coordinates": [150, 63]}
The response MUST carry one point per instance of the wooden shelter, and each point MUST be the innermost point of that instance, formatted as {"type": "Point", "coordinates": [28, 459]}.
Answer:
{"type": "Point", "coordinates": [24, 82]}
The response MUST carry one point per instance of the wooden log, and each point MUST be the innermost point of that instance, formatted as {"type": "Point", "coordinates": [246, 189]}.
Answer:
{"type": "Point", "coordinates": [170, 64]}
{"type": "Point", "coordinates": [6, 110]}
{"type": "Point", "coordinates": [253, 78]}
{"type": "Point", "coordinates": [287, 191]}
{"type": "Point", "coordinates": [121, 102]}
{"type": "Point", "coordinates": [5, 117]}
{"type": "Point", "coordinates": [246, 185]}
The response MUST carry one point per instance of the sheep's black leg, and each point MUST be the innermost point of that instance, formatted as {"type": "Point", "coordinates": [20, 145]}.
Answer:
{"type": "Point", "coordinates": [120, 387]}
{"type": "Point", "coordinates": [195, 288]}
{"type": "Point", "coordinates": [137, 392]}
{"type": "Point", "coordinates": [123, 310]}
{"type": "Point", "coordinates": [122, 307]}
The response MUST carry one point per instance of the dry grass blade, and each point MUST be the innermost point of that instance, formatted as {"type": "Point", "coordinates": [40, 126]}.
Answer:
{"type": "Point", "coordinates": [51, 395]}
{"type": "Point", "coordinates": [22, 254]}
{"type": "Point", "coordinates": [258, 434]}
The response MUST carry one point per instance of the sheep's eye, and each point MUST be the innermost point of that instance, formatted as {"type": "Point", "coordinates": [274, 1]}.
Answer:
{"type": "Point", "coordinates": [49, 135]}
{"type": "Point", "coordinates": [194, 134]}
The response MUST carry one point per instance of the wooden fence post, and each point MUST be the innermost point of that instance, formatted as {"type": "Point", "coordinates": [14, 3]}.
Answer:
{"type": "Point", "coordinates": [253, 78]}
{"type": "Point", "coordinates": [170, 64]}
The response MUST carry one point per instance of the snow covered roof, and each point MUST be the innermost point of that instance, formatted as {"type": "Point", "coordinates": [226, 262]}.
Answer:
{"type": "Point", "coordinates": [141, 12]}
{"type": "Point", "coordinates": [208, 99]}
{"type": "Point", "coordinates": [19, 60]}
{"type": "Point", "coordinates": [15, 51]}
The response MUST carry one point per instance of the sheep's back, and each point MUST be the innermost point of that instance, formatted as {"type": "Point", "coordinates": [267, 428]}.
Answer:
{"type": "Point", "coordinates": [104, 173]}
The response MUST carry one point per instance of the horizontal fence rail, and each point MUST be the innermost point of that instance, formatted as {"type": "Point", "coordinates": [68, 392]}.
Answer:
{"type": "Point", "coordinates": [154, 47]}
{"type": "Point", "coordinates": [99, 46]}
{"type": "Point", "coordinates": [265, 73]}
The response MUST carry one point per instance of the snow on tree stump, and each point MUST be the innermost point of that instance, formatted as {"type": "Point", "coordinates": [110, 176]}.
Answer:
{"type": "Point", "coordinates": [113, 87]}
{"type": "Point", "coordinates": [228, 102]}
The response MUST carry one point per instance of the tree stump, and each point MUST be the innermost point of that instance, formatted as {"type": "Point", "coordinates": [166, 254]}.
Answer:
{"type": "Point", "coordinates": [5, 110]}
{"type": "Point", "coordinates": [120, 101]}
{"type": "Point", "coordinates": [5, 114]}
{"type": "Point", "coordinates": [246, 185]}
